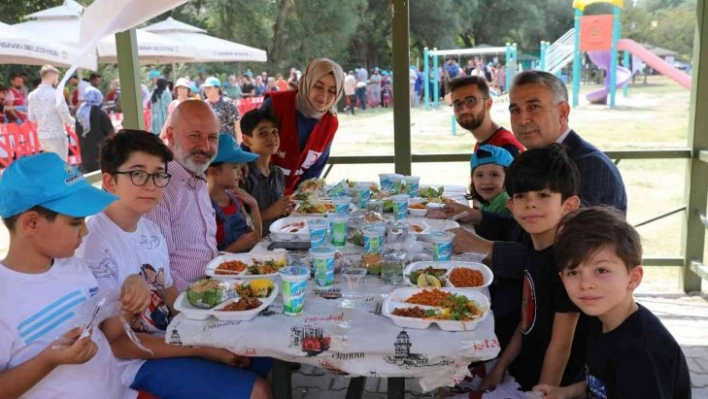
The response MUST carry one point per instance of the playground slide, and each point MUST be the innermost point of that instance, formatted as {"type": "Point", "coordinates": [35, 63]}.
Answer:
{"type": "Point", "coordinates": [602, 59]}
{"type": "Point", "coordinates": [655, 62]}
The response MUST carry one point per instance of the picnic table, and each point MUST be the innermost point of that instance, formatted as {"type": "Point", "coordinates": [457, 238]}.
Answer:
{"type": "Point", "coordinates": [345, 336]}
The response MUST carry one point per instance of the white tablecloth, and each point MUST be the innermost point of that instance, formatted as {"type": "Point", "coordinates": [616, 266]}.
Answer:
{"type": "Point", "coordinates": [356, 340]}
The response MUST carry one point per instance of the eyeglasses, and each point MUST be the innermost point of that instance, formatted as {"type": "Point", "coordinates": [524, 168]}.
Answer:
{"type": "Point", "coordinates": [140, 178]}
{"type": "Point", "coordinates": [469, 102]}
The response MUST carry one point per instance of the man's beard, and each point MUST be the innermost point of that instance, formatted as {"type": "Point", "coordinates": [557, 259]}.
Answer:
{"type": "Point", "coordinates": [186, 161]}
{"type": "Point", "coordinates": [474, 123]}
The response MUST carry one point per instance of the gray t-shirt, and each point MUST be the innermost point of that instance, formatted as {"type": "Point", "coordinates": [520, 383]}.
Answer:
{"type": "Point", "coordinates": [265, 189]}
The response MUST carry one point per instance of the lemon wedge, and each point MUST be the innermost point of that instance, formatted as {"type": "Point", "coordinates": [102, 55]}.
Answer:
{"type": "Point", "coordinates": [426, 280]}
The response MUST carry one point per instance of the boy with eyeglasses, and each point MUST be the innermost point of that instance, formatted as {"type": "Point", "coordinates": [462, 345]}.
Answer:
{"type": "Point", "coordinates": [123, 242]}
{"type": "Point", "coordinates": [471, 103]}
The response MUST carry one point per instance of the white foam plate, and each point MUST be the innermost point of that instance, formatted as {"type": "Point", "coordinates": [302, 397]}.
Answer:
{"type": "Point", "coordinates": [280, 229]}
{"type": "Point", "coordinates": [398, 297]}
{"type": "Point", "coordinates": [246, 258]}
{"type": "Point", "coordinates": [194, 313]}
{"type": "Point", "coordinates": [433, 225]}
{"type": "Point", "coordinates": [449, 265]}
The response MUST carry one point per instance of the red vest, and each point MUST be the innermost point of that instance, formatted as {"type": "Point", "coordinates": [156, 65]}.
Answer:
{"type": "Point", "coordinates": [19, 101]}
{"type": "Point", "coordinates": [502, 137]}
{"type": "Point", "coordinates": [289, 158]}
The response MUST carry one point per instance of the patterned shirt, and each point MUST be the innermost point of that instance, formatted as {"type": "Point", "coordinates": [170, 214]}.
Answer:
{"type": "Point", "coordinates": [227, 113]}
{"type": "Point", "coordinates": [188, 222]}
{"type": "Point", "coordinates": [49, 117]}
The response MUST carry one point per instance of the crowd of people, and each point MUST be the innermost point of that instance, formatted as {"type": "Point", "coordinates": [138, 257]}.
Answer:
{"type": "Point", "coordinates": [549, 212]}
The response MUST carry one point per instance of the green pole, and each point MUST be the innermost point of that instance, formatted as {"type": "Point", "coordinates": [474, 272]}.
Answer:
{"type": "Point", "coordinates": [576, 59]}
{"type": "Point", "coordinates": [401, 88]}
{"type": "Point", "coordinates": [129, 75]}
{"type": "Point", "coordinates": [625, 63]}
{"type": "Point", "coordinates": [696, 187]}
{"type": "Point", "coordinates": [426, 79]}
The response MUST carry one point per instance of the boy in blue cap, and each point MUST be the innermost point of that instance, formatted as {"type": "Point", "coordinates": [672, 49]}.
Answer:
{"type": "Point", "coordinates": [489, 165]}
{"type": "Point", "coordinates": [43, 203]}
{"type": "Point", "coordinates": [236, 229]}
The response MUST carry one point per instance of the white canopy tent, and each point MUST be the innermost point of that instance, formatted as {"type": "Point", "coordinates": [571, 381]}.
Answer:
{"type": "Point", "coordinates": [63, 24]}
{"type": "Point", "coordinates": [18, 48]}
{"type": "Point", "coordinates": [208, 48]}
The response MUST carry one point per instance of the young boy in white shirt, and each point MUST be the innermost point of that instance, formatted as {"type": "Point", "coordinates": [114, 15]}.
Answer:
{"type": "Point", "coordinates": [43, 203]}
{"type": "Point", "coordinates": [121, 242]}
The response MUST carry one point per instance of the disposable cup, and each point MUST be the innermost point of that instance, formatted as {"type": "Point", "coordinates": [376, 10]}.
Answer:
{"type": "Point", "coordinates": [412, 183]}
{"type": "Point", "coordinates": [353, 282]}
{"type": "Point", "coordinates": [338, 228]}
{"type": "Point", "coordinates": [362, 194]}
{"type": "Point", "coordinates": [338, 189]}
{"type": "Point", "coordinates": [373, 238]}
{"type": "Point", "coordinates": [375, 205]}
{"type": "Point", "coordinates": [294, 282]}
{"type": "Point", "coordinates": [436, 210]}
{"type": "Point", "coordinates": [341, 205]}
{"type": "Point", "coordinates": [319, 228]}
{"type": "Point", "coordinates": [323, 262]}
{"type": "Point", "coordinates": [386, 182]}
{"type": "Point", "coordinates": [442, 244]}
{"type": "Point", "coordinates": [400, 206]}
{"type": "Point", "coordinates": [397, 181]}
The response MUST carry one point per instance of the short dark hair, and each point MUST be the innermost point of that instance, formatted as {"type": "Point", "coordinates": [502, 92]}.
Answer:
{"type": "Point", "coordinates": [11, 221]}
{"type": "Point", "coordinates": [548, 80]}
{"type": "Point", "coordinates": [16, 75]}
{"type": "Point", "coordinates": [252, 118]}
{"type": "Point", "coordinates": [543, 168]}
{"type": "Point", "coordinates": [3, 88]}
{"type": "Point", "coordinates": [115, 151]}
{"type": "Point", "coordinates": [463, 81]}
{"type": "Point", "coordinates": [585, 231]}
{"type": "Point", "coordinates": [94, 76]}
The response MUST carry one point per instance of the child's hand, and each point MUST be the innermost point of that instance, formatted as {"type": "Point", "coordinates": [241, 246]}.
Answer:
{"type": "Point", "coordinates": [245, 197]}
{"type": "Point", "coordinates": [225, 356]}
{"type": "Point", "coordinates": [135, 294]}
{"type": "Point", "coordinates": [282, 207]}
{"type": "Point", "coordinates": [249, 240]}
{"type": "Point", "coordinates": [69, 349]}
{"type": "Point", "coordinates": [554, 392]}
{"type": "Point", "coordinates": [466, 241]}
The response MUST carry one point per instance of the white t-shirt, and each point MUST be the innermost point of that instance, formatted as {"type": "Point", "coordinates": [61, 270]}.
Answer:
{"type": "Point", "coordinates": [113, 254]}
{"type": "Point", "coordinates": [36, 309]}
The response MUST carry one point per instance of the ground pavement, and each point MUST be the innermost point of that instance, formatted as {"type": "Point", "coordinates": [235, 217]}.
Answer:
{"type": "Point", "coordinates": [686, 317]}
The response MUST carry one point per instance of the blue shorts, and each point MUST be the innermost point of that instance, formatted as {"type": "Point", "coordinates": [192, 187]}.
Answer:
{"type": "Point", "coordinates": [191, 377]}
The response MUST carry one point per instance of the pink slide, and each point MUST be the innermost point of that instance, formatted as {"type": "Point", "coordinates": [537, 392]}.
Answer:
{"type": "Point", "coordinates": [655, 62]}
{"type": "Point", "coordinates": [602, 59]}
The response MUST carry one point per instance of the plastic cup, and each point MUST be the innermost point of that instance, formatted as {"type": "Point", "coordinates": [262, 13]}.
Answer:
{"type": "Point", "coordinates": [375, 205]}
{"type": "Point", "coordinates": [352, 282]}
{"type": "Point", "coordinates": [338, 227]}
{"type": "Point", "coordinates": [397, 181]}
{"type": "Point", "coordinates": [294, 282]}
{"type": "Point", "coordinates": [341, 205]}
{"type": "Point", "coordinates": [362, 194]}
{"type": "Point", "coordinates": [323, 261]}
{"type": "Point", "coordinates": [373, 238]}
{"type": "Point", "coordinates": [436, 210]}
{"type": "Point", "coordinates": [442, 245]}
{"type": "Point", "coordinates": [318, 232]}
{"type": "Point", "coordinates": [400, 206]}
{"type": "Point", "coordinates": [385, 182]}
{"type": "Point", "coordinates": [338, 189]}
{"type": "Point", "coordinates": [412, 184]}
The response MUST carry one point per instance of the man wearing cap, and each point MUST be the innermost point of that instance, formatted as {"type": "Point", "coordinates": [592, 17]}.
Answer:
{"type": "Point", "coordinates": [185, 215]}
{"type": "Point", "coordinates": [472, 105]}
{"type": "Point", "coordinates": [49, 116]}
{"type": "Point", "coordinates": [224, 108]}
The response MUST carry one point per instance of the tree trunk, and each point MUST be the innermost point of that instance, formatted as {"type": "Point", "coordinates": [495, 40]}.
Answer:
{"type": "Point", "coordinates": [279, 31]}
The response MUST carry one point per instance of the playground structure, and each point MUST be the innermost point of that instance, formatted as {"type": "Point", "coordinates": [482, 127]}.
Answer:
{"type": "Point", "coordinates": [599, 36]}
{"type": "Point", "coordinates": [510, 51]}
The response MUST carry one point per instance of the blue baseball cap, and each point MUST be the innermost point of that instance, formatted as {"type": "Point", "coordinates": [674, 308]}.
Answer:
{"type": "Point", "coordinates": [154, 74]}
{"type": "Point", "coordinates": [212, 82]}
{"type": "Point", "coordinates": [230, 152]}
{"type": "Point", "coordinates": [489, 154]}
{"type": "Point", "coordinates": [45, 180]}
